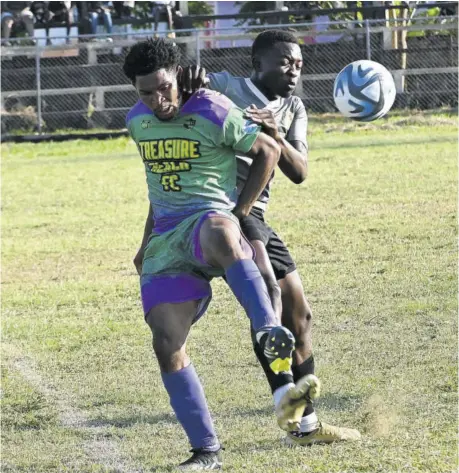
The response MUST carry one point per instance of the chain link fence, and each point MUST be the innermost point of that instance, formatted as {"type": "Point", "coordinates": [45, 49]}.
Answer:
{"type": "Point", "coordinates": [81, 85]}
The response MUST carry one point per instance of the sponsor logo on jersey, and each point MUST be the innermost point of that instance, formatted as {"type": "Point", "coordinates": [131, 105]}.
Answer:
{"type": "Point", "coordinates": [146, 124]}
{"type": "Point", "coordinates": [190, 123]}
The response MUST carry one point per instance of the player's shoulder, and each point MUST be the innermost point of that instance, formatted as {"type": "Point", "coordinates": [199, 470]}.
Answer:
{"type": "Point", "coordinates": [223, 76]}
{"type": "Point", "coordinates": [295, 103]}
{"type": "Point", "coordinates": [210, 105]}
{"type": "Point", "coordinates": [139, 109]}
{"type": "Point", "coordinates": [222, 81]}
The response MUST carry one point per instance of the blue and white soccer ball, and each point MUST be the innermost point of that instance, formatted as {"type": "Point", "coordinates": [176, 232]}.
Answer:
{"type": "Point", "coordinates": [364, 90]}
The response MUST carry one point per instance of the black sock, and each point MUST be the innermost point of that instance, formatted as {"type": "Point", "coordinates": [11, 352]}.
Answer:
{"type": "Point", "coordinates": [275, 380]}
{"type": "Point", "coordinates": [307, 367]}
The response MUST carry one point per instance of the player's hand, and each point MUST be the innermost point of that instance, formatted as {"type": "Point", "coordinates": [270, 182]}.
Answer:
{"type": "Point", "coordinates": [191, 78]}
{"type": "Point", "coordinates": [265, 118]}
{"type": "Point", "coordinates": [138, 261]}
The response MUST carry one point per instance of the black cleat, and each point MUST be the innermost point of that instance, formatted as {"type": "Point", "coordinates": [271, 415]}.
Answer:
{"type": "Point", "coordinates": [278, 349]}
{"type": "Point", "coordinates": [202, 460]}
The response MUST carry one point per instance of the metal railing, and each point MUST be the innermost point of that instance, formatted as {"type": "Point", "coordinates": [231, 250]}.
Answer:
{"type": "Point", "coordinates": [81, 85]}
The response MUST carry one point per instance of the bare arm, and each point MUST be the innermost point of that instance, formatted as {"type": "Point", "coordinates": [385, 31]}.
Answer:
{"type": "Point", "coordinates": [265, 153]}
{"type": "Point", "coordinates": [294, 154]}
{"type": "Point", "coordinates": [138, 259]}
{"type": "Point", "coordinates": [294, 160]}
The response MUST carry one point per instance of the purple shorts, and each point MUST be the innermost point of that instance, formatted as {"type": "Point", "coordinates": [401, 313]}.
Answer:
{"type": "Point", "coordinates": [174, 289]}
{"type": "Point", "coordinates": [184, 275]}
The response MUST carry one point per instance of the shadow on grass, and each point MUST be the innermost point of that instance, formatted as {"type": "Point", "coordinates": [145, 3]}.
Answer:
{"type": "Point", "coordinates": [129, 421]}
{"type": "Point", "coordinates": [329, 402]}
{"type": "Point", "coordinates": [169, 418]}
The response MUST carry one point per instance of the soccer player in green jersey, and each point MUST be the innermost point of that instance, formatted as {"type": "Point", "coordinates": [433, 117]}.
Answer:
{"type": "Point", "coordinates": [267, 97]}
{"type": "Point", "coordinates": [188, 150]}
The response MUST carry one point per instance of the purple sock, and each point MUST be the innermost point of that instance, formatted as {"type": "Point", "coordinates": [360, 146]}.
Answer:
{"type": "Point", "coordinates": [248, 285]}
{"type": "Point", "coordinates": [189, 403]}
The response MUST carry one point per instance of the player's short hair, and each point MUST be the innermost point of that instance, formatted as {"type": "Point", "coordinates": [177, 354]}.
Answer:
{"type": "Point", "coordinates": [149, 56]}
{"type": "Point", "coordinates": [267, 39]}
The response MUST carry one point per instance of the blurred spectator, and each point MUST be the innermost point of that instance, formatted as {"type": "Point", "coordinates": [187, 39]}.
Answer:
{"type": "Point", "coordinates": [124, 9]}
{"type": "Point", "coordinates": [61, 13]}
{"type": "Point", "coordinates": [181, 23]}
{"type": "Point", "coordinates": [100, 11]}
{"type": "Point", "coordinates": [16, 14]}
{"type": "Point", "coordinates": [160, 8]}
{"type": "Point", "coordinates": [52, 12]}
{"type": "Point", "coordinates": [40, 12]}
{"type": "Point", "coordinates": [448, 10]}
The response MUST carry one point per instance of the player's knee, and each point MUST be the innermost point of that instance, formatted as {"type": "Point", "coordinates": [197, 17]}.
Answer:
{"type": "Point", "coordinates": [170, 362]}
{"type": "Point", "coordinates": [304, 320]}
{"type": "Point", "coordinates": [301, 329]}
{"type": "Point", "coordinates": [219, 232]}
{"type": "Point", "coordinates": [307, 315]}
{"type": "Point", "coordinates": [169, 352]}
{"type": "Point", "coordinates": [299, 322]}
{"type": "Point", "coordinates": [166, 341]}
{"type": "Point", "coordinates": [220, 242]}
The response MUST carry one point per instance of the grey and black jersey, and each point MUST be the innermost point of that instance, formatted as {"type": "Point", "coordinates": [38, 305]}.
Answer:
{"type": "Point", "coordinates": [289, 113]}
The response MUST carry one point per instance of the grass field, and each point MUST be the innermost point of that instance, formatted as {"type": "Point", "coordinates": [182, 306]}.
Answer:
{"type": "Point", "coordinates": [374, 235]}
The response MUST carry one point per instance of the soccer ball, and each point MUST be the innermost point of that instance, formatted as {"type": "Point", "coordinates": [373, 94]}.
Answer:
{"type": "Point", "coordinates": [364, 90]}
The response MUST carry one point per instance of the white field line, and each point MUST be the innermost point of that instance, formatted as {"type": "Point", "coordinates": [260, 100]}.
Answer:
{"type": "Point", "coordinates": [100, 449]}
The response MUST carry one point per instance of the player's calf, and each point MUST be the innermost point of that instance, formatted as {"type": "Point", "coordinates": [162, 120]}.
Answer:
{"type": "Point", "coordinates": [170, 324]}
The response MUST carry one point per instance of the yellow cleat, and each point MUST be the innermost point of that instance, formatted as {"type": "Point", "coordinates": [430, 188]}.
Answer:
{"type": "Point", "coordinates": [325, 433]}
{"type": "Point", "coordinates": [291, 407]}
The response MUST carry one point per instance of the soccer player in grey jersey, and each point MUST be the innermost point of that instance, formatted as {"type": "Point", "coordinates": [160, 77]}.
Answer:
{"type": "Point", "coordinates": [267, 96]}
{"type": "Point", "coordinates": [288, 119]}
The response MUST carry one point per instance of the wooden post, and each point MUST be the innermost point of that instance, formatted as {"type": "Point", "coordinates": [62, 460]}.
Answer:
{"type": "Point", "coordinates": [183, 7]}
{"type": "Point", "coordinates": [100, 99]}
{"type": "Point", "coordinates": [387, 35]}
{"type": "Point", "coordinates": [393, 15]}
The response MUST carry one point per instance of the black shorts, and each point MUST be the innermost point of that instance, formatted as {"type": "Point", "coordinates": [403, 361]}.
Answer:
{"type": "Point", "coordinates": [255, 228]}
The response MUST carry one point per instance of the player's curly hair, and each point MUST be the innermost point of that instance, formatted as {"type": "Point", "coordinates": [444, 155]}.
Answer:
{"type": "Point", "coordinates": [150, 56]}
{"type": "Point", "coordinates": [267, 39]}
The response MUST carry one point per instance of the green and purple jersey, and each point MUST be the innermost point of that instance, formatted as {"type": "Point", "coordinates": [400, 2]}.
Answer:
{"type": "Point", "coordinates": [190, 160]}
